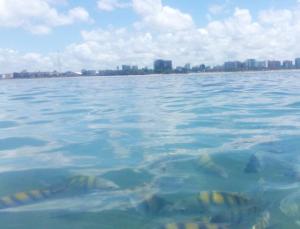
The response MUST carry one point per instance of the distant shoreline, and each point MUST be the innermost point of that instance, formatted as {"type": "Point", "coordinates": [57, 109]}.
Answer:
{"type": "Point", "coordinates": [154, 74]}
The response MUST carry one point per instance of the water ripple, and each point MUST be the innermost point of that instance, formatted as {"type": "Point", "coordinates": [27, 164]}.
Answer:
{"type": "Point", "coordinates": [147, 134]}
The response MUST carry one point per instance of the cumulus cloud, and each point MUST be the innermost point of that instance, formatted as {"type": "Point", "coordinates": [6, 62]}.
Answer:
{"type": "Point", "coordinates": [216, 9]}
{"type": "Point", "coordinates": [273, 35]}
{"type": "Point", "coordinates": [110, 5]}
{"type": "Point", "coordinates": [237, 37]}
{"type": "Point", "coordinates": [157, 16]}
{"type": "Point", "coordinates": [12, 60]}
{"type": "Point", "coordinates": [38, 16]}
{"type": "Point", "coordinates": [62, 2]}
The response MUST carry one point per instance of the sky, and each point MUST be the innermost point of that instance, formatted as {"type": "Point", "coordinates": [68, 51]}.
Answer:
{"type": "Point", "coordinates": [46, 35]}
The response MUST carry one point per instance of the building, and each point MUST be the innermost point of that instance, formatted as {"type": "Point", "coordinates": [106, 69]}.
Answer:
{"type": "Point", "coordinates": [163, 66]}
{"type": "Point", "coordinates": [27, 75]}
{"type": "Point", "coordinates": [85, 72]}
{"type": "Point", "coordinates": [218, 68]}
{"type": "Point", "coordinates": [187, 67]}
{"type": "Point", "coordinates": [287, 64]}
{"type": "Point", "coordinates": [135, 67]}
{"type": "Point", "coordinates": [199, 68]}
{"type": "Point", "coordinates": [232, 66]}
{"type": "Point", "coordinates": [21, 75]}
{"type": "Point", "coordinates": [126, 67]}
{"type": "Point", "coordinates": [6, 76]}
{"type": "Point", "coordinates": [250, 64]}
{"type": "Point", "coordinates": [261, 65]}
{"type": "Point", "coordinates": [274, 64]}
{"type": "Point", "coordinates": [202, 68]}
{"type": "Point", "coordinates": [180, 69]}
{"type": "Point", "coordinates": [297, 63]}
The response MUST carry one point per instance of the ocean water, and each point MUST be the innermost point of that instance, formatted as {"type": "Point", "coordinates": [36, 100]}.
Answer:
{"type": "Point", "coordinates": [154, 143]}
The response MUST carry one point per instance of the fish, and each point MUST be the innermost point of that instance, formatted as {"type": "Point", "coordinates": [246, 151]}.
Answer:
{"type": "Point", "coordinates": [236, 216]}
{"type": "Point", "coordinates": [194, 225]}
{"type": "Point", "coordinates": [227, 199]}
{"type": "Point", "coordinates": [187, 206]}
{"type": "Point", "coordinates": [153, 205]}
{"type": "Point", "coordinates": [73, 184]}
{"type": "Point", "coordinates": [263, 222]}
{"type": "Point", "coordinates": [91, 183]}
{"type": "Point", "coordinates": [206, 162]}
{"type": "Point", "coordinates": [28, 197]}
{"type": "Point", "coordinates": [253, 165]}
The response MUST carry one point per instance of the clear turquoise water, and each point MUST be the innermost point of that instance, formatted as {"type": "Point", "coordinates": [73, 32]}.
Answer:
{"type": "Point", "coordinates": [146, 134]}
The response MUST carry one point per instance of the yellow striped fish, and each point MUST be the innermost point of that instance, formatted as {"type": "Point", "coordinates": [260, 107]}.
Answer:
{"type": "Point", "coordinates": [206, 162]}
{"type": "Point", "coordinates": [154, 205]}
{"type": "Point", "coordinates": [236, 215]}
{"type": "Point", "coordinates": [24, 198]}
{"type": "Point", "coordinates": [200, 225]}
{"type": "Point", "coordinates": [91, 183]}
{"type": "Point", "coordinates": [228, 199]}
{"type": "Point", "coordinates": [263, 222]}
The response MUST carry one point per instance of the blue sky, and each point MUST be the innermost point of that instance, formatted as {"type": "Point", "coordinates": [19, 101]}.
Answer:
{"type": "Point", "coordinates": [106, 33]}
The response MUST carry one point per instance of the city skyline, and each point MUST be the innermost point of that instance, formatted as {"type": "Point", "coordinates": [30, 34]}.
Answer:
{"type": "Point", "coordinates": [161, 66]}
{"type": "Point", "coordinates": [75, 34]}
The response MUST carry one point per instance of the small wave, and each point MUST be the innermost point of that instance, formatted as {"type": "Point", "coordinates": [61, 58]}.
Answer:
{"type": "Point", "coordinates": [7, 124]}
{"type": "Point", "coordinates": [294, 105]}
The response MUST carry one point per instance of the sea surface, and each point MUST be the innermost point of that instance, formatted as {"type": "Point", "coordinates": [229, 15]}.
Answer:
{"type": "Point", "coordinates": [136, 152]}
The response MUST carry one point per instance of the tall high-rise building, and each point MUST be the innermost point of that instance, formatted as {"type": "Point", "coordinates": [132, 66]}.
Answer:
{"type": "Point", "coordinates": [85, 72]}
{"type": "Point", "coordinates": [233, 66]}
{"type": "Point", "coordinates": [260, 65]}
{"type": "Point", "coordinates": [163, 66]}
{"type": "Point", "coordinates": [287, 64]}
{"type": "Point", "coordinates": [250, 64]}
{"type": "Point", "coordinates": [126, 67]}
{"type": "Point", "coordinates": [187, 66]}
{"type": "Point", "coordinates": [135, 67]}
{"type": "Point", "coordinates": [297, 63]}
{"type": "Point", "coordinates": [274, 64]}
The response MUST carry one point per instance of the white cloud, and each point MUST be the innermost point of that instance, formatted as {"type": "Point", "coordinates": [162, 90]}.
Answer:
{"type": "Point", "coordinates": [156, 16]}
{"type": "Point", "coordinates": [61, 2]}
{"type": "Point", "coordinates": [273, 35]}
{"type": "Point", "coordinates": [237, 37]}
{"type": "Point", "coordinates": [77, 14]}
{"type": "Point", "coordinates": [216, 9]}
{"type": "Point", "coordinates": [38, 16]}
{"type": "Point", "coordinates": [11, 60]}
{"type": "Point", "coordinates": [110, 5]}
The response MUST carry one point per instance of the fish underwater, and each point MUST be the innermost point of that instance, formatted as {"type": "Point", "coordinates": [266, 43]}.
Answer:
{"type": "Point", "coordinates": [76, 184]}
{"type": "Point", "coordinates": [253, 165]}
{"type": "Point", "coordinates": [261, 222]}
{"type": "Point", "coordinates": [226, 199]}
{"type": "Point", "coordinates": [229, 208]}
{"type": "Point", "coordinates": [212, 207]}
{"type": "Point", "coordinates": [205, 162]}
{"type": "Point", "coordinates": [195, 225]}
{"type": "Point", "coordinates": [236, 206]}
{"type": "Point", "coordinates": [28, 197]}
{"type": "Point", "coordinates": [236, 216]}
{"type": "Point", "coordinates": [153, 205]}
